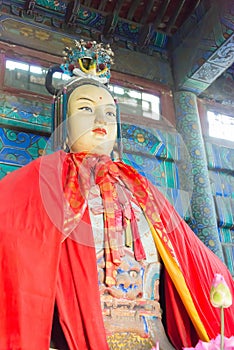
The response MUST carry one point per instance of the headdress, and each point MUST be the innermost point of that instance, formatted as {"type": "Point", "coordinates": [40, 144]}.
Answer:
{"type": "Point", "coordinates": [85, 63]}
{"type": "Point", "coordinates": [89, 59]}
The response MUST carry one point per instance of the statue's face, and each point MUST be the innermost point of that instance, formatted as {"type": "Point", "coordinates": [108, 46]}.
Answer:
{"type": "Point", "coordinates": [91, 120]}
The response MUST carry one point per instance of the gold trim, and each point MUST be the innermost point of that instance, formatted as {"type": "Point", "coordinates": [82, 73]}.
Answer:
{"type": "Point", "coordinates": [128, 341]}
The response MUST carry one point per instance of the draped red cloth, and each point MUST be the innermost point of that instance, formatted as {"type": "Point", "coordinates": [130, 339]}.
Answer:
{"type": "Point", "coordinates": [47, 256]}
{"type": "Point", "coordinates": [39, 266]}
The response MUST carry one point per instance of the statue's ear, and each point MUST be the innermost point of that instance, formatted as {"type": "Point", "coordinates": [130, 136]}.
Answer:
{"type": "Point", "coordinates": [49, 78]}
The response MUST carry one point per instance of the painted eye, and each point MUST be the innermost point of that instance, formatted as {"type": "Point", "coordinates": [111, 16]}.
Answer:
{"type": "Point", "coordinates": [86, 108]}
{"type": "Point", "coordinates": [110, 114]}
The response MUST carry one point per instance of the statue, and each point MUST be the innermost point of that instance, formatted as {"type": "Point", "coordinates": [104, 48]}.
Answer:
{"type": "Point", "coordinates": [84, 238]}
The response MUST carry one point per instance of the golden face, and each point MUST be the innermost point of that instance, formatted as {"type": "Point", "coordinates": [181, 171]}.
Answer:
{"type": "Point", "coordinates": [91, 122]}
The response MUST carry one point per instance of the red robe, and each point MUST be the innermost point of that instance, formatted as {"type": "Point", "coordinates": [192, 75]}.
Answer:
{"type": "Point", "coordinates": [39, 265]}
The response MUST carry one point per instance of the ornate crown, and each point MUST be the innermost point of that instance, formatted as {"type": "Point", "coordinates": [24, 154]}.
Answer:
{"type": "Point", "coordinates": [88, 59]}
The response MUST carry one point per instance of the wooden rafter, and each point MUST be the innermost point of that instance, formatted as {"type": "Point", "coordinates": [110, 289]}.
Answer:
{"type": "Point", "coordinates": [132, 9]}
{"type": "Point", "coordinates": [161, 13]}
{"type": "Point", "coordinates": [147, 11]}
{"type": "Point", "coordinates": [173, 19]}
{"type": "Point", "coordinates": [118, 6]}
{"type": "Point", "coordinates": [112, 19]}
{"type": "Point", "coordinates": [88, 3]}
{"type": "Point", "coordinates": [102, 5]}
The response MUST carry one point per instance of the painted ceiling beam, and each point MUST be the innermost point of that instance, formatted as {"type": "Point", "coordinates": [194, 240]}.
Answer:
{"type": "Point", "coordinates": [207, 51]}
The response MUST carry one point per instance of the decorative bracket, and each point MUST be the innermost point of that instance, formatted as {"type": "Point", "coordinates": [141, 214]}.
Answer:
{"type": "Point", "coordinates": [145, 35]}
{"type": "Point", "coordinates": [110, 24]}
{"type": "Point", "coordinates": [72, 12]}
{"type": "Point", "coordinates": [29, 7]}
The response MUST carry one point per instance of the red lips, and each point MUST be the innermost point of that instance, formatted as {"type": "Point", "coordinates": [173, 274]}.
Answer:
{"type": "Point", "coordinates": [100, 131]}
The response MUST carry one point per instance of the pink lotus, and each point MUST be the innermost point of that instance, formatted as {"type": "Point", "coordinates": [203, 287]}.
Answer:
{"type": "Point", "coordinates": [214, 344]}
{"type": "Point", "coordinates": [220, 295]}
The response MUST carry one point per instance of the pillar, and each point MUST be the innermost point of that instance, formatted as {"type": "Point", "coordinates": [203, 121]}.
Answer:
{"type": "Point", "coordinates": [202, 203]}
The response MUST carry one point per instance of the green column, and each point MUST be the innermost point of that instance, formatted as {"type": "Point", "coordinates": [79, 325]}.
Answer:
{"type": "Point", "coordinates": [202, 204]}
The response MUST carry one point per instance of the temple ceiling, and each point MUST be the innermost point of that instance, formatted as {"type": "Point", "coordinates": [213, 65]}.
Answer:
{"type": "Point", "coordinates": [194, 36]}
